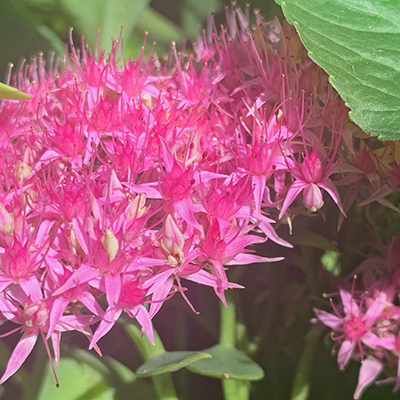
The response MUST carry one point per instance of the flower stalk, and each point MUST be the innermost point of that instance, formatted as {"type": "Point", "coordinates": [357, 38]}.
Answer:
{"type": "Point", "coordinates": [234, 389]}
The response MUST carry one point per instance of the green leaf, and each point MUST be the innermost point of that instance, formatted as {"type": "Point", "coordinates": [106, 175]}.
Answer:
{"type": "Point", "coordinates": [78, 380]}
{"type": "Point", "coordinates": [108, 15]}
{"type": "Point", "coordinates": [169, 361]}
{"type": "Point", "coordinates": [10, 93]}
{"type": "Point", "coordinates": [83, 376]}
{"type": "Point", "coordinates": [357, 42]}
{"type": "Point", "coordinates": [228, 362]}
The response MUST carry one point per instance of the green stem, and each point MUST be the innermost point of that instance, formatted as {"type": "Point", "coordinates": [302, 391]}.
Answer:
{"type": "Point", "coordinates": [234, 389]}
{"type": "Point", "coordinates": [301, 384]}
{"type": "Point", "coordinates": [227, 334]}
{"type": "Point", "coordinates": [163, 383]}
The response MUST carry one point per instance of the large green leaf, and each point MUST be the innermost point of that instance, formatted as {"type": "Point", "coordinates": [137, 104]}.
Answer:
{"type": "Point", "coordinates": [83, 376]}
{"type": "Point", "coordinates": [169, 361]}
{"type": "Point", "coordinates": [78, 380]}
{"type": "Point", "coordinates": [357, 42]}
{"type": "Point", "coordinates": [228, 362]}
{"type": "Point", "coordinates": [108, 15]}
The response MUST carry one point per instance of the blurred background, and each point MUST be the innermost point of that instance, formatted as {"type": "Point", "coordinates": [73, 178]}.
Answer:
{"type": "Point", "coordinates": [29, 26]}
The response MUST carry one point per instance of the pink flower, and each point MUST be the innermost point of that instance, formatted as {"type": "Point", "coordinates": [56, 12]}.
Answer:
{"type": "Point", "coordinates": [33, 316]}
{"type": "Point", "coordinates": [122, 179]}
{"type": "Point", "coordinates": [311, 176]}
{"type": "Point", "coordinates": [358, 327]}
{"type": "Point", "coordinates": [369, 372]}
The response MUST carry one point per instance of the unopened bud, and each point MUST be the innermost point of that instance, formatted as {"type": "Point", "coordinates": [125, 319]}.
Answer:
{"type": "Point", "coordinates": [36, 314]}
{"type": "Point", "coordinates": [147, 101]}
{"type": "Point", "coordinates": [312, 197]}
{"type": "Point", "coordinates": [138, 207]}
{"type": "Point", "coordinates": [6, 220]}
{"type": "Point", "coordinates": [22, 171]}
{"type": "Point", "coordinates": [110, 243]}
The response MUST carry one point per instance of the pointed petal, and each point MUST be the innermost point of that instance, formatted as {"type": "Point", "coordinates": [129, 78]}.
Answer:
{"type": "Point", "coordinates": [345, 352]}
{"type": "Point", "coordinates": [376, 309]}
{"type": "Point", "coordinates": [159, 296]}
{"type": "Point", "coordinates": [89, 301]}
{"type": "Point", "coordinates": [329, 186]}
{"type": "Point", "coordinates": [328, 319]}
{"type": "Point", "coordinates": [31, 287]}
{"type": "Point", "coordinates": [105, 326]}
{"type": "Point", "coordinates": [113, 290]}
{"type": "Point", "coordinates": [55, 341]}
{"type": "Point", "coordinates": [369, 371]}
{"type": "Point", "coordinates": [75, 323]}
{"type": "Point", "coordinates": [168, 157]}
{"type": "Point", "coordinates": [291, 195]}
{"type": "Point", "coordinates": [373, 341]}
{"type": "Point", "coordinates": [57, 310]}
{"type": "Point", "coordinates": [157, 281]}
{"type": "Point", "coordinates": [259, 188]}
{"type": "Point", "coordinates": [349, 305]}
{"type": "Point", "coordinates": [82, 275]}
{"type": "Point", "coordinates": [269, 231]}
{"type": "Point", "coordinates": [245, 258]}
{"type": "Point", "coordinates": [79, 235]}
{"type": "Point", "coordinates": [20, 354]}
{"type": "Point", "coordinates": [184, 208]}
{"type": "Point", "coordinates": [143, 317]}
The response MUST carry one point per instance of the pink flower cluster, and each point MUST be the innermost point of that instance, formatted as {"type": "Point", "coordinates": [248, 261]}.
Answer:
{"type": "Point", "coordinates": [122, 179]}
{"type": "Point", "coordinates": [366, 325]}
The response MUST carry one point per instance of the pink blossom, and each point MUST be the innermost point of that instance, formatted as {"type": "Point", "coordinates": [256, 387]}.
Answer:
{"type": "Point", "coordinates": [311, 176]}
{"type": "Point", "coordinates": [122, 179]}
{"type": "Point", "coordinates": [358, 326]}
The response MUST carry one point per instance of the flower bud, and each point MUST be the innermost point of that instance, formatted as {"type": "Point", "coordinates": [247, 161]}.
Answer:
{"type": "Point", "coordinates": [36, 314]}
{"type": "Point", "coordinates": [110, 243]}
{"type": "Point", "coordinates": [6, 220]}
{"type": "Point", "coordinates": [138, 207]}
{"type": "Point", "coordinates": [312, 197]}
{"type": "Point", "coordinates": [22, 171]}
{"type": "Point", "coordinates": [173, 240]}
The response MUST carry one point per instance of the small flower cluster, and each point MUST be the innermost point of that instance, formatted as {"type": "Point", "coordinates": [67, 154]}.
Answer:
{"type": "Point", "coordinates": [121, 179]}
{"type": "Point", "coordinates": [366, 326]}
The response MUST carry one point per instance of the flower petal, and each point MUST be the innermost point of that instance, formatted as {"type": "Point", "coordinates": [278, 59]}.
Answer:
{"type": "Point", "coordinates": [369, 371]}
{"type": "Point", "coordinates": [345, 352]}
{"type": "Point", "coordinates": [20, 354]}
